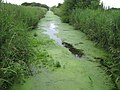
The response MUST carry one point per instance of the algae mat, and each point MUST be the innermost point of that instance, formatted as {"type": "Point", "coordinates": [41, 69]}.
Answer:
{"type": "Point", "coordinates": [74, 73]}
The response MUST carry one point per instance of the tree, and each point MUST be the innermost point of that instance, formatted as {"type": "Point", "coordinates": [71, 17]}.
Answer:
{"type": "Point", "coordinates": [59, 5]}
{"type": "Point", "coordinates": [69, 5]}
{"type": "Point", "coordinates": [35, 4]}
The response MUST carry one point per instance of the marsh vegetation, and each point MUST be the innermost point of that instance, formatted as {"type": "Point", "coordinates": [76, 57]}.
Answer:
{"type": "Point", "coordinates": [15, 45]}
{"type": "Point", "coordinates": [101, 26]}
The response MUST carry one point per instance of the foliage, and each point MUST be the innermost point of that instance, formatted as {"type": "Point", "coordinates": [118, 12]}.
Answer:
{"type": "Point", "coordinates": [35, 4]}
{"type": "Point", "coordinates": [69, 6]}
{"type": "Point", "coordinates": [15, 50]}
{"type": "Point", "coordinates": [56, 10]}
{"type": "Point", "coordinates": [59, 5]}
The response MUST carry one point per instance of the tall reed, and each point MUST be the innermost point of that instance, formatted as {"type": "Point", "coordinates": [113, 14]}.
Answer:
{"type": "Point", "coordinates": [15, 53]}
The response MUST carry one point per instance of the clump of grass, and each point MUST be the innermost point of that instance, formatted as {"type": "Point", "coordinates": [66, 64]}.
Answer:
{"type": "Point", "coordinates": [15, 50]}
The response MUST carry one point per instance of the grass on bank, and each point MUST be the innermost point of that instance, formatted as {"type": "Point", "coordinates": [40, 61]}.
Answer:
{"type": "Point", "coordinates": [15, 49]}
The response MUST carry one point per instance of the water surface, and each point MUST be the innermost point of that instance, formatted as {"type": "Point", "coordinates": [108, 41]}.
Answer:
{"type": "Point", "coordinates": [51, 31]}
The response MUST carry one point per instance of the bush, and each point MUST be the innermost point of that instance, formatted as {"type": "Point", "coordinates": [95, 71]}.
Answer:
{"type": "Point", "coordinates": [35, 4]}
{"type": "Point", "coordinates": [70, 5]}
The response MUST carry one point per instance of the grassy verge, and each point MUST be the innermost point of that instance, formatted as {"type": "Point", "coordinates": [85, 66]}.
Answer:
{"type": "Point", "coordinates": [15, 49]}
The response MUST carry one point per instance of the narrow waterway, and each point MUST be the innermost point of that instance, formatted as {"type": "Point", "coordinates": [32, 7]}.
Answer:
{"type": "Point", "coordinates": [51, 31]}
{"type": "Point", "coordinates": [81, 73]}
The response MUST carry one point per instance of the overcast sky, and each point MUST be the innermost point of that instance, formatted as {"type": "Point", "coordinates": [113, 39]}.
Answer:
{"type": "Point", "coordinates": [111, 3]}
{"type": "Point", "coordinates": [47, 2]}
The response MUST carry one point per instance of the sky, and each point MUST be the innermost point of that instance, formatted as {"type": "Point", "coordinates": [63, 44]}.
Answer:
{"type": "Point", "coordinates": [47, 2]}
{"type": "Point", "coordinates": [111, 3]}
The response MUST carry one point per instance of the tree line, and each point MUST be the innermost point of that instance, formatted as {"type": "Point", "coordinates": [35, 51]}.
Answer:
{"type": "Point", "coordinates": [35, 4]}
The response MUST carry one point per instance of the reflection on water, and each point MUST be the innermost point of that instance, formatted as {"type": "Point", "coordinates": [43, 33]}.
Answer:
{"type": "Point", "coordinates": [51, 31]}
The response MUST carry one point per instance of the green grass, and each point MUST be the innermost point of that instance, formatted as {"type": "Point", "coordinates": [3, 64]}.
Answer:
{"type": "Point", "coordinates": [15, 47]}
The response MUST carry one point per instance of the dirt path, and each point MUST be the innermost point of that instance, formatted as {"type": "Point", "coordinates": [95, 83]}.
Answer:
{"type": "Point", "coordinates": [78, 71]}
